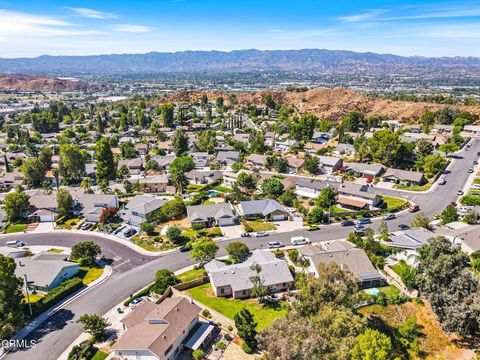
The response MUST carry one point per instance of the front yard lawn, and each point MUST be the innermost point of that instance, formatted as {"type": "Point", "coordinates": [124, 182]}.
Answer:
{"type": "Point", "coordinates": [100, 355]}
{"type": "Point", "coordinates": [476, 181]}
{"type": "Point", "coordinates": [389, 291]}
{"type": "Point", "coordinates": [33, 298]}
{"type": "Point", "coordinates": [401, 268]}
{"type": "Point", "coordinates": [335, 209]}
{"type": "Point", "coordinates": [222, 189]}
{"type": "Point", "coordinates": [393, 204]}
{"type": "Point", "coordinates": [89, 275]}
{"type": "Point", "coordinates": [413, 187]}
{"type": "Point", "coordinates": [191, 275]}
{"type": "Point", "coordinates": [69, 224]}
{"type": "Point", "coordinates": [14, 228]}
{"type": "Point", "coordinates": [264, 315]}
{"type": "Point", "coordinates": [258, 225]}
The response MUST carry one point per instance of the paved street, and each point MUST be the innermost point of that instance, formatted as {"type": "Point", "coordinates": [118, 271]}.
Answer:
{"type": "Point", "coordinates": [132, 271]}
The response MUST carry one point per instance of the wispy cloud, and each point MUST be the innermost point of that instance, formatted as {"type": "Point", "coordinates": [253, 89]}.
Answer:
{"type": "Point", "coordinates": [13, 23]}
{"type": "Point", "coordinates": [132, 28]}
{"type": "Point", "coordinates": [92, 14]}
{"type": "Point", "coordinates": [367, 15]}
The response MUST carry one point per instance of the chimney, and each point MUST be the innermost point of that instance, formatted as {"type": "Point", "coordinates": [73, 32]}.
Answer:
{"type": "Point", "coordinates": [341, 267]}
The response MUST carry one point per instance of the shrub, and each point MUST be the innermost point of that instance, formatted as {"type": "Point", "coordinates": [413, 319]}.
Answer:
{"type": "Point", "coordinates": [293, 255]}
{"type": "Point", "coordinates": [198, 354]}
{"type": "Point", "coordinates": [197, 226]}
{"type": "Point", "coordinates": [84, 350]}
{"type": "Point", "coordinates": [247, 349]}
{"type": "Point", "coordinates": [230, 328]}
{"type": "Point", "coordinates": [66, 288]}
{"type": "Point", "coordinates": [228, 337]}
{"type": "Point", "coordinates": [220, 345]}
{"type": "Point", "coordinates": [206, 313]}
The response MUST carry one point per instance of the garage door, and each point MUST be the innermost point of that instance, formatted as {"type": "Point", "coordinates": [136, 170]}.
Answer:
{"type": "Point", "coordinates": [225, 222]}
{"type": "Point", "coordinates": [45, 218]}
{"type": "Point", "coordinates": [278, 217]}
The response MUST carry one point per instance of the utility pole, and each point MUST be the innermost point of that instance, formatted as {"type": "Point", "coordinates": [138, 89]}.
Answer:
{"type": "Point", "coordinates": [28, 296]}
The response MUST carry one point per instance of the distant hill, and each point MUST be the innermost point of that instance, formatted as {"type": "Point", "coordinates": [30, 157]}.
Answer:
{"type": "Point", "coordinates": [234, 61]}
{"type": "Point", "coordinates": [40, 83]}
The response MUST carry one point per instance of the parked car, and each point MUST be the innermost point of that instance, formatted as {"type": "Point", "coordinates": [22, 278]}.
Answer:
{"type": "Point", "coordinates": [86, 226]}
{"type": "Point", "coordinates": [459, 192]}
{"type": "Point", "coordinates": [300, 240]}
{"type": "Point", "coordinates": [364, 221]}
{"type": "Point", "coordinates": [359, 231]}
{"type": "Point", "coordinates": [442, 181]}
{"type": "Point", "coordinates": [389, 217]}
{"type": "Point", "coordinates": [347, 223]}
{"type": "Point", "coordinates": [119, 230]}
{"type": "Point", "coordinates": [135, 302]}
{"type": "Point", "coordinates": [183, 248]}
{"type": "Point", "coordinates": [313, 228]}
{"type": "Point", "coordinates": [470, 170]}
{"type": "Point", "coordinates": [260, 234]}
{"type": "Point", "coordinates": [475, 162]}
{"type": "Point", "coordinates": [403, 227]}
{"type": "Point", "coordinates": [413, 208]}
{"type": "Point", "coordinates": [275, 244]}
{"type": "Point", "coordinates": [245, 234]}
{"type": "Point", "coordinates": [15, 243]}
{"type": "Point", "coordinates": [129, 233]}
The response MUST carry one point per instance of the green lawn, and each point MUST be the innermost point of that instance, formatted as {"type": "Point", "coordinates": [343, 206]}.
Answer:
{"type": "Point", "coordinates": [14, 228]}
{"type": "Point", "coordinates": [89, 275]}
{"type": "Point", "coordinates": [33, 298]}
{"type": "Point", "coordinates": [400, 268]}
{"type": "Point", "coordinates": [222, 189]}
{"type": "Point", "coordinates": [476, 181]}
{"type": "Point", "coordinates": [55, 251]}
{"type": "Point", "coordinates": [389, 291]}
{"type": "Point", "coordinates": [229, 307]}
{"type": "Point", "coordinates": [208, 202]}
{"type": "Point", "coordinates": [191, 275]}
{"type": "Point", "coordinates": [393, 203]}
{"type": "Point", "coordinates": [335, 209]}
{"type": "Point", "coordinates": [259, 225]}
{"type": "Point", "coordinates": [413, 187]}
{"type": "Point", "coordinates": [100, 355]}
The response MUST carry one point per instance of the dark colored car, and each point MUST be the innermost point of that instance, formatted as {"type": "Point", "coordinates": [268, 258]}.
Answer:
{"type": "Point", "coordinates": [403, 227]}
{"type": "Point", "coordinates": [245, 235]}
{"type": "Point", "coordinates": [347, 223]}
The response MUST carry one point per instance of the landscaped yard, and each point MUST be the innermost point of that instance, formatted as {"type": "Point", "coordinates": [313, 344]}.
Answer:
{"type": "Point", "coordinates": [264, 315]}
{"type": "Point", "coordinates": [476, 181]}
{"type": "Point", "coordinates": [33, 298]}
{"type": "Point", "coordinates": [222, 189]}
{"type": "Point", "coordinates": [335, 209]}
{"type": "Point", "coordinates": [55, 251]}
{"type": "Point", "coordinates": [69, 224]}
{"type": "Point", "coordinates": [258, 225]}
{"type": "Point", "coordinates": [401, 268]}
{"type": "Point", "coordinates": [191, 275]}
{"type": "Point", "coordinates": [393, 203]}
{"type": "Point", "coordinates": [89, 275]}
{"type": "Point", "coordinates": [413, 187]}
{"type": "Point", "coordinates": [389, 291]}
{"type": "Point", "coordinates": [14, 228]}
{"type": "Point", "coordinates": [100, 355]}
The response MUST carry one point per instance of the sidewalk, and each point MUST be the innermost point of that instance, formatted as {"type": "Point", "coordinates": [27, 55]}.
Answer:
{"type": "Point", "coordinates": [25, 331]}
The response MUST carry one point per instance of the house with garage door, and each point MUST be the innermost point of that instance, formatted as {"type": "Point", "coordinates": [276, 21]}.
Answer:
{"type": "Point", "coordinates": [211, 215]}
{"type": "Point", "coordinates": [43, 206]}
{"type": "Point", "coordinates": [269, 210]}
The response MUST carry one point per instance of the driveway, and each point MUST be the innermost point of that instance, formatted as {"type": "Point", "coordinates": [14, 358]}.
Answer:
{"type": "Point", "coordinates": [286, 226]}
{"type": "Point", "coordinates": [43, 227]}
{"type": "Point", "coordinates": [385, 185]}
{"type": "Point", "coordinates": [232, 232]}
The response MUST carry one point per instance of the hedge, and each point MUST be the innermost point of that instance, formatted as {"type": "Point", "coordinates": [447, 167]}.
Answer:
{"type": "Point", "coordinates": [84, 350]}
{"type": "Point", "coordinates": [470, 200]}
{"type": "Point", "coordinates": [65, 289]}
{"type": "Point", "coordinates": [143, 292]}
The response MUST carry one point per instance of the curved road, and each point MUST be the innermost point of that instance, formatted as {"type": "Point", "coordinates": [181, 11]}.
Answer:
{"type": "Point", "coordinates": [132, 271]}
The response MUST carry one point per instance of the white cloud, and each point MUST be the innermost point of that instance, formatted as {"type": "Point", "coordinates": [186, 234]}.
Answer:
{"type": "Point", "coordinates": [368, 15]}
{"type": "Point", "coordinates": [132, 28]}
{"type": "Point", "coordinates": [18, 24]}
{"type": "Point", "coordinates": [92, 14]}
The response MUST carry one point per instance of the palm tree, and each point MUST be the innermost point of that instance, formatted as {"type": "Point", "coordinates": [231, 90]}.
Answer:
{"type": "Point", "coordinates": [86, 184]}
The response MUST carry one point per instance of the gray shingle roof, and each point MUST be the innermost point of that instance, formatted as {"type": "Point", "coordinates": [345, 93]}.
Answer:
{"type": "Point", "coordinates": [264, 207]}
{"type": "Point", "coordinates": [411, 238]}
{"type": "Point", "coordinates": [205, 212]}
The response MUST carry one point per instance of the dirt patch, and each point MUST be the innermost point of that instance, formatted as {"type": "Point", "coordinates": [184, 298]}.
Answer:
{"type": "Point", "coordinates": [235, 352]}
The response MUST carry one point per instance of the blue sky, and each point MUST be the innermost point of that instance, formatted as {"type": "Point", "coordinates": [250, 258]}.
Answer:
{"type": "Point", "coordinates": [429, 28]}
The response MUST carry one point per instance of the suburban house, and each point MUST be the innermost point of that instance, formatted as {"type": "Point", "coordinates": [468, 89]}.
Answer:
{"type": "Point", "coordinates": [234, 280]}
{"type": "Point", "coordinates": [348, 258]}
{"type": "Point", "coordinates": [358, 196]}
{"type": "Point", "coordinates": [11, 179]}
{"type": "Point", "coordinates": [227, 157]}
{"type": "Point", "coordinates": [410, 239]}
{"type": "Point", "coordinates": [329, 164]}
{"type": "Point", "coordinates": [45, 271]}
{"type": "Point", "coordinates": [91, 206]}
{"type": "Point", "coordinates": [294, 163]}
{"type": "Point", "coordinates": [141, 208]}
{"type": "Point", "coordinates": [142, 149]}
{"type": "Point", "coordinates": [310, 189]}
{"type": "Point", "coordinates": [202, 177]}
{"type": "Point", "coordinates": [157, 183]}
{"type": "Point", "coordinates": [163, 161]}
{"type": "Point", "coordinates": [157, 331]}
{"type": "Point", "coordinates": [344, 149]}
{"type": "Point", "coordinates": [229, 179]}
{"type": "Point", "coordinates": [365, 170]}
{"type": "Point", "coordinates": [286, 145]}
{"type": "Point", "coordinates": [211, 215]}
{"type": "Point", "coordinates": [134, 166]}
{"type": "Point", "coordinates": [320, 137]}
{"type": "Point", "coordinates": [44, 207]}
{"type": "Point", "coordinates": [312, 148]}
{"type": "Point", "coordinates": [201, 159]}
{"type": "Point", "coordinates": [267, 209]}
{"type": "Point", "coordinates": [404, 177]}
{"type": "Point", "coordinates": [256, 161]}
{"type": "Point", "coordinates": [243, 138]}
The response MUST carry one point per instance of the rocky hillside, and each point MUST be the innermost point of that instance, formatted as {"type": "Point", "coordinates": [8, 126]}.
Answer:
{"type": "Point", "coordinates": [40, 83]}
{"type": "Point", "coordinates": [335, 103]}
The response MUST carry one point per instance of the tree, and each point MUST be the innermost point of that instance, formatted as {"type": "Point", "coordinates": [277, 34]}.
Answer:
{"type": "Point", "coordinates": [316, 215]}
{"type": "Point", "coordinates": [421, 220]}
{"type": "Point", "coordinates": [94, 325]}
{"type": "Point", "coordinates": [257, 142]}
{"type": "Point", "coordinates": [385, 147]}
{"type": "Point", "coordinates": [15, 205]}
{"type": "Point", "coordinates": [106, 169]}
{"type": "Point", "coordinates": [449, 215]}
{"type": "Point", "coordinates": [204, 251]}
{"type": "Point", "coordinates": [238, 251]}
{"type": "Point", "coordinates": [325, 198]}
{"type": "Point", "coordinates": [246, 328]}
{"type": "Point", "coordinates": [45, 157]}
{"type": "Point", "coordinates": [33, 170]}
{"type": "Point", "coordinates": [128, 150]}
{"type": "Point", "coordinates": [11, 296]}
{"type": "Point", "coordinates": [206, 141]}
{"type": "Point", "coordinates": [85, 252]}
{"type": "Point", "coordinates": [56, 175]}
{"type": "Point", "coordinates": [174, 234]}
{"type": "Point", "coordinates": [163, 279]}
{"type": "Point", "coordinates": [288, 197]}
{"type": "Point", "coordinates": [179, 142]}
{"type": "Point", "coordinates": [167, 111]}
{"type": "Point", "coordinates": [147, 227]}
{"type": "Point", "coordinates": [259, 290]}
{"type": "Point", "coordinates": [245, 180]}
{"type": "Point", "coordinates": [311, 164]}
{"type": "Point", "coordinates": [423, 147]}
{"type": "Point", "coordinates": [198, 354]}
{"type": "Point", "coordinates": [448, 148]}
{"type": "Point", "coordinates": [178, 168]}
{"type": "Point", "coordinates": [272, 188]}
{"type": "Point", "coordinates": [372, 345]}
{"type": "Point", "coordinates": [72, 162]}
{"type": "Point", "coordinates": [433, 164]}
{"type": "Point", "coordinates": [219, 103]}
{"type": "Point", "coordinates": [86, 184]}
{"type": "Point", "coordinates": [64, 203]}
{"type": "Point", "coordinates": [383, 230]}
{"type": "Point", "coordinates": [352, 121]}
{"type": "Point", "coordinates": [170, 210]}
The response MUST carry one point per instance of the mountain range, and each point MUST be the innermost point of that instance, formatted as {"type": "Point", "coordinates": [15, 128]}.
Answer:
{"type": "Point", "coordinates": [315, 60]}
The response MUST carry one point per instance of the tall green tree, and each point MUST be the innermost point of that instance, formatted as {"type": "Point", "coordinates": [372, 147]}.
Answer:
{"type": "Point", "coordinates": [238, 251]}
{"type": "Point", "coordinates": [94, 325]}
{"type": "Point", "coordinates": [178, 168]}
{"type": "Point", "coordinates": [449, 215]}
{"type": "Point", "coordinates": [64, 203]}
{"type": "Point", "coordinates": [15, 205]}
{"type": "Point", "coordinates": [272, 188]}
{"type": "Point", "coordinates": [33, 170]}
{"type": "Point", "coordinates": [167, 111]}
{"type": "Point", "coordinates": [204, 251]}
{"type": "Point", "coordinates": [106, 169]}
{"type": "Point", "coordinates": [72, 162]}
{"type": "Point", "coordinates": [85, 252]}
{"type": "Point", "coordinates": [372, 345]}
{"type": "Point", "coordinates": [11, 315]}
{"type": "Point", "coordinates": [179, 143]}
{"type": "Point", "coordinates": [246, 328]}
